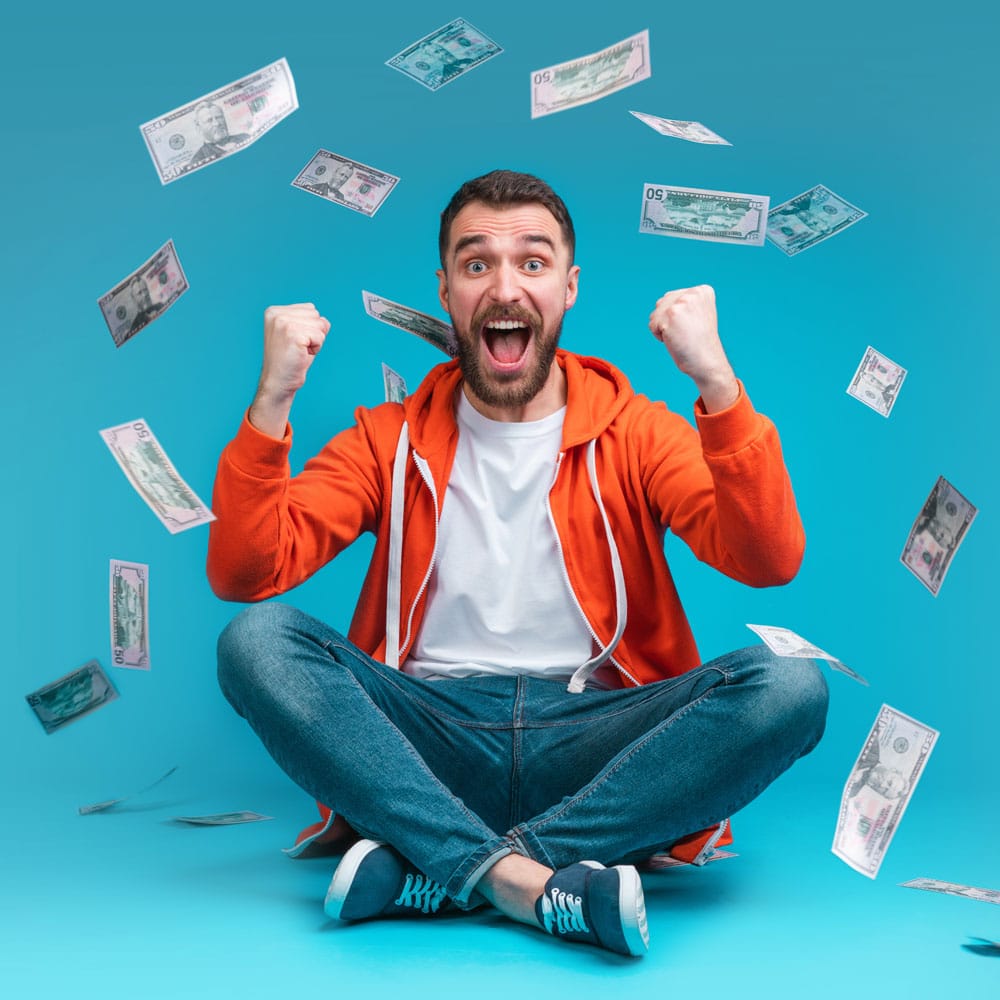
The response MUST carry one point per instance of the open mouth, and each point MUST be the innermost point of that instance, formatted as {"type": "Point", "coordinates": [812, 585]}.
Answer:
{"type": "Point", "coordinates": [506, 340]}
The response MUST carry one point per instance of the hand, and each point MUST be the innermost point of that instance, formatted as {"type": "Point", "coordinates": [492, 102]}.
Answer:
{"type": "Point", "coordinates": [685, 321]}
{"type": "Point", "coordinates": [293, 336]}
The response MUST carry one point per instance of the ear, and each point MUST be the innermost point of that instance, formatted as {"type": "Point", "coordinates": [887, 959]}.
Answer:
{"type": "Point", "coordinates": [442, 289]}
{"type": "Point", "coordinates": [572, 285]}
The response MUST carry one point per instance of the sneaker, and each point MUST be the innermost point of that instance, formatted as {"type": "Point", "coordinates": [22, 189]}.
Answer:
{"type": "Point", "coordinates": [374, 880]}
{"type": "Point", "coordinates": [598, 905]}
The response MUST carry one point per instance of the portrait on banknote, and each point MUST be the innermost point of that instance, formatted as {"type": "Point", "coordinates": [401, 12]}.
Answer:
{"type": "Point", "coordinates": [445, 54]}
{"type": "Point", "coordinates": [345, 182]}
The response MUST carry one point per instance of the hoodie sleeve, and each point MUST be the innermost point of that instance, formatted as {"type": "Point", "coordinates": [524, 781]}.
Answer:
{"type": "Point", "coordinates": [725, 491]}
{"type": "Point", "coordinates": [274, 530]}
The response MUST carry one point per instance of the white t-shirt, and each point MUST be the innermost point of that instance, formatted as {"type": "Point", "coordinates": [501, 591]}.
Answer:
{"type": "Point", "coordinates": [498, 601]}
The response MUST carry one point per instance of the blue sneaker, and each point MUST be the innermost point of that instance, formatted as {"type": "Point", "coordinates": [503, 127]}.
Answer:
{"type": "Point", "coordinates": [598, 905]}
{"type": "Point", "coordinates": [374, 880]}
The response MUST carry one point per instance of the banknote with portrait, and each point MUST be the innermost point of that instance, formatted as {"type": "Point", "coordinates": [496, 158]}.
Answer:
{"type": "Point", "coordinates": [937, 533]}
{"type": "Point", "coordinates": [591, 77]}
{"type": "Point", "coordinates": [147, 293]}
{"type": "Point", "coordinates": [879, 788]}
{"type": "Point", "coordinates": [430, 328]}
{"type": "Point", "coordinates": [221, 123]}
{"type": "Point", "coordinates": [809, 218]}
{"type": "Point", "coordinates": [877, 382]}
{"type": "Point", "coordinates": [129, 609]}
{"type": "Point", "coordinates": [345, 182]}
{"type": "Point", "coordinates": [445, 54]}
{"type": "Point", "coordinates": [395, 385]}
{"type": "Point", "coordinates": [72, 696]}
{"type": "Point", "coordinates": [691, 131]}
{"type": "Point", "coordinates": [698, 214]}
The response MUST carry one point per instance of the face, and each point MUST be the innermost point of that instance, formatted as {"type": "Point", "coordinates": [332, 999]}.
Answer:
{"type": "Point", "coordinates": [211, 123]}
{"type": "Point", "coordinates": [341, 172]}
{"type": "Point", "coordinates": [887, 781]}
{"type": "Point", "coordinates": [140, 294]}
{"type": "Point", "coordinates": [507, 282]}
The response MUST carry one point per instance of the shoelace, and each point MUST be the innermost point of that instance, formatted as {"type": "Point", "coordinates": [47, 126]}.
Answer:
{"type": "Point", "coordinates": [563, 913]}
{"type": "Point", "coordinates": [422, 893]}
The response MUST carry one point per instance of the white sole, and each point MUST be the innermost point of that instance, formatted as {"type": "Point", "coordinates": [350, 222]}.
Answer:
{"type": "Point", "coordinates": [632, 907]}
{"type": "Point", "coordinates": [343, 877]}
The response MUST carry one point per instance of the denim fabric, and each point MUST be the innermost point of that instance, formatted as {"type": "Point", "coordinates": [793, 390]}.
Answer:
{"type": "Point", "coordinates": [457, 773]}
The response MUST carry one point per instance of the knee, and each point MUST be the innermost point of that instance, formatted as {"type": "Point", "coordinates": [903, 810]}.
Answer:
{"type": "Point", "coordinates": [245, 645]}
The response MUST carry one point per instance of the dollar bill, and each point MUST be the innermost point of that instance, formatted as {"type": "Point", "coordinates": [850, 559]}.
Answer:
{"type": "Point", "coordinates": [954, 889]}
{"type": "Point", "coordinates": [395, 385]}
{"type": "Point", "coordinates": [879, 788]}
{"type": "Point", "coordinates": [144, 295]}
{"type": "Point", "coordinates": [433, 330]}
{"type": "Point", "coordinates": [345, 182]}
{"type": "Point", "coordinates": [129, 606]}
{"type": "Point", "coordinates": [661, 862]}
{"type": "Point", "coordinates": [936, 534]}
{"type": "Point", "coordinates": [72, 696]}
{"type": "Point", "coordinates": [109, 803]}
{"type": "Point", "coordinates": [445, 54]}
{"type": "Point", "coordinates": [694, 214]}
{"type": "Point", "coordinates": [154, 478]}
{"type": "Point", "coordinates": [219, 124]}
{"type": "Point", "coordinates": [591, 77]}
{"type": "Point", "coordinates": [222, 819]}
{"type": "Point", "coordinates": [877, 381]}
{"type": "Point", "coordinates": [785, 642]}
{"type": "Point", "coordinates": [692, 131]}
{"type": "Point", "coordinates": [809, 218]}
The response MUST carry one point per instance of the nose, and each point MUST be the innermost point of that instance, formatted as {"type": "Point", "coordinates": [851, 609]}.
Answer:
{"type": "Point", "coordinates": [505, 286]}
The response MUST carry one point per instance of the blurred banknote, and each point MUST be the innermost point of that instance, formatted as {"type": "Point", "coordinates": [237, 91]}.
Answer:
{"type": "Point", "coordinates": [983, 946]}
{"type": "Point", "coordinates": [785, 642]}
{"type": "Point", "coordinates": [108, 803]}
{"type": "Point", "coordinates": [590, 77]}
{"type": "Point", "coordinates": [879, 788]}
{"type": "Point", "coordinates": [445, 54]}
{"type": "Point", "coordinates": [154, 478]}
{"type": "Point", "coordinates": [146, 293]}
{"type": "Point", "coordinates": [876, 382]}
{"type": "Point", "coordinates": [395, 385]}
{"type": "Point", "coordinates": [936, 534]}
{"type": "Point", "coordinates": [222, 819]}
{"type": "Point", "coordinates": [433, 330]}
{"type": "Point", "coordinates": [954, 889]}
{"type": "Point", "coordinates": [219, 124]}
{"type": "Point", "coordinates": [129, 604]}
{"type": "Point", "coordinates": [719, 216]}
{"type": "Point", "coordinates": [809, 218]}
{"type": "Point", "coordinates": [661, 862]}
{"type": "Point", "coordinates": [692, 131]}
{"type": "Point", "coordinates": [345, 182]}
{"type": "Point", "coordinates": [72, 696]}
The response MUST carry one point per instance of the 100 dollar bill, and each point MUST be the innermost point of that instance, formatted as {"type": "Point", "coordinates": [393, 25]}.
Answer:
{"type": "Point", "coordinates": [219, 124]}
{"type": "Point", "coordinates": [154, 478]}
{"type": "Point", "coordinates": [880, 787]}
{"type": "Point", "coordinates": [129, 604]}
{"type": "Point", "coordinates": [696, 214]}
{"type": "Point", "coordinates": [431, 329]}
{"type": "Point", "coordinates": [72, 696]}
{"type": "Point", "coordinates": [589, 78]}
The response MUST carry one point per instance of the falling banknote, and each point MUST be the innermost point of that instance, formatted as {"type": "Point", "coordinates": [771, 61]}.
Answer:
{"type": "Point", "coordinates": [395, 385]}
{"type": "Point", "coordinates": [785, 642]}
{"type": "Point", "coordinates": [434, 331]}
{"type": "Point", "coordinates": [879, 788]}
{"type": "Point", "coordinates": [954, 889]}
{"type": "Point", "coordinates": [129, 605]}
{"type": "Point", "coordinates": [221, 123]}
{"type": "Point", "coordinates": [72, 696]}
{"type": "Point", "coordinates": [877, 381]}
{"type": "Point", "coordinates": [809, 218]}
{"type": "Point", "coordinates": [97, 807]}
{"type": "Point", "coordinates": [936, 534]}
{"type": "Point", "coordinates": [694, 214]}
{"type": "Point", "coordinates": [154, 478]}
{"type": "Point", "coordinates": [445, 54]}
{"type": "Point", "coordinates": [589, 78]}
{"type": "Point", "coordinates": [345, 182]}
{"type": "Point", "coordinates": [691, 131]}
{"type": "Point", "coordinates": [222, 819]}
{"type": "Point", "coordinates": [144, 295]}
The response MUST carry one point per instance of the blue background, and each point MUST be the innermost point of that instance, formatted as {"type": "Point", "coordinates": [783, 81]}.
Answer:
{"type": "Point", "coordinates": [891, 106]}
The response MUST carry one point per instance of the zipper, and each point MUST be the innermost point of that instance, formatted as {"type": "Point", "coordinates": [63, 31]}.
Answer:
{"type": "Point", "coordinates": [424, 470]}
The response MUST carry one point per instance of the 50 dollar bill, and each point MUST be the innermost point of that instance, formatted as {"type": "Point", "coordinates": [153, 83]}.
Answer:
{"type": "Point", "coordinates": [696, 214]}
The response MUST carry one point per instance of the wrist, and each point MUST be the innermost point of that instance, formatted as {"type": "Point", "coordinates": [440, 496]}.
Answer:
{"type": "Point", "coordinates": [718, 391]}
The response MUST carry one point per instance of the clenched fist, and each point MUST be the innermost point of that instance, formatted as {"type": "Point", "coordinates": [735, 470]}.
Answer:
{"type": "Point", "coordinates": [686, 322]}
{"type": "Point", "coordinates": [293, 336]}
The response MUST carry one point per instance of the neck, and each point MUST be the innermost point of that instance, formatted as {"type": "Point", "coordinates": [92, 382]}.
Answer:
{"type": "Point", "coordinates": [551, 397]}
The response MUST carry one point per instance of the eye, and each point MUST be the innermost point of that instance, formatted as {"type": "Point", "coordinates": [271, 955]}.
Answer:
{"type": "Point", "coordinates": [533, 266]}
{"type": "Point", "coordinates": [475, 267]}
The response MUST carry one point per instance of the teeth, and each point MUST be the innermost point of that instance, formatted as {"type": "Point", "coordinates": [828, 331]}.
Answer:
{"type": "Point", "coordinates": [504, 324]}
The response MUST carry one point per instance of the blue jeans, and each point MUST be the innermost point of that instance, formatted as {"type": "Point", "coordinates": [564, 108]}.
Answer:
{"type": "Point", "coordinates": [458, 773]}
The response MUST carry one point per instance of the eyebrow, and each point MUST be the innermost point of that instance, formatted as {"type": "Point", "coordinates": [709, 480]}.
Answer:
{"type": "Point", "coordinates": [478, 239]}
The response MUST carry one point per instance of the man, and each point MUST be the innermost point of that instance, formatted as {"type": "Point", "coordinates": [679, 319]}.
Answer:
{"type": "Point", "coordinates": [211, 123]}
{"type": "Point", "coordinates": [146, 309]}
{"type": "Point", "coordinates": [342, 173]}
{"type": "Point", "coordinates": [518, 702]}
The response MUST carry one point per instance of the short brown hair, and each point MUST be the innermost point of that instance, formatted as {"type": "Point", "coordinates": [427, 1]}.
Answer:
{"type": "Point", "coordinates": [499, 189]}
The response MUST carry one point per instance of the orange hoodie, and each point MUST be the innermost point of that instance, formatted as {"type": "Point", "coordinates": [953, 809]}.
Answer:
{"type": "Point", "coordinates": [628, 470]}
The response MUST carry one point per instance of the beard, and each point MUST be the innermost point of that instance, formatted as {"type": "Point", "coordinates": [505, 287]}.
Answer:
{"type": "Point", "coordinates": [499, 389]}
